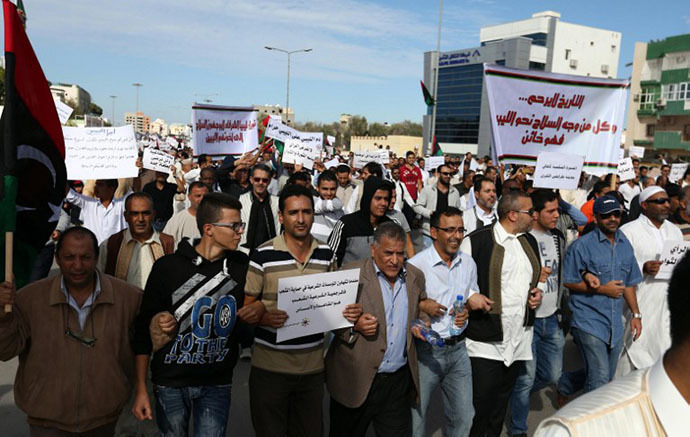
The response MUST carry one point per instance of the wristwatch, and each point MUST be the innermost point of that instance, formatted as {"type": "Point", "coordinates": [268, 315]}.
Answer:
{"type": "Point", "coordinates": [637, 316]}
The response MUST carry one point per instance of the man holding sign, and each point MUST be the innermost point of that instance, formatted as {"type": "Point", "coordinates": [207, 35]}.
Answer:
{"type": "Point", "coordinates": [286, 379]}
{"type": "Point", "coordinates": [647, 235]}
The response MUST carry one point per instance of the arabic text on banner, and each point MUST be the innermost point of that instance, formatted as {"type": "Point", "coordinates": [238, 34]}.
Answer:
{"type": "Point", "coordinates": [157, 160]}
{"type": "Point", "coordinates": [433, 162]}
{"type": "Point", "coordinates": [100, 152]}
{"type": "Point", "coordinates": [281, 132]}
{"type": "Point", "coordinates": [315, 303]}
{"type": "Point", "coordinates": [363, 158]}
{"type": "Point", "coordinates": [671, 253]}
{"type": "Point", "coordinates": [558, 171]}
{"type": "Point", "coordinates": [626, 170]}
{"type": "Point", "coordinates": [677, 172]}
{"type": "Point", "coordinates": [222, 130]}
{"type": "Point", "coordinates": [533, 112]}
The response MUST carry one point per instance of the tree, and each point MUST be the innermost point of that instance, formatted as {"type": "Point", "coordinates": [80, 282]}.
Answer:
{"type": "Point", "coordinates": [378, 130]}
{"type": "Point", "coordinates": [95, 109]}
{"type": "Point", "coordinates": [406, 128]}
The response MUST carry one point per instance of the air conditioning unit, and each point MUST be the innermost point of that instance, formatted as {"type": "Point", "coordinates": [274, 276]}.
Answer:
{"type": "Point", "coordinates": [573, 63]}
{"type": "Point", "coordinates": [605, 69]}
{"type": "Point", "coordinates": [660, 103]}
{"type": "Point", "coordinates": [636, 97]}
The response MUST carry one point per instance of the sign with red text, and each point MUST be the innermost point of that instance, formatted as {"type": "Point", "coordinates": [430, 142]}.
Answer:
{"type": "Point", "coordinates": [534, 112]}
{"type": "Point", "coordinates": [223, 130]}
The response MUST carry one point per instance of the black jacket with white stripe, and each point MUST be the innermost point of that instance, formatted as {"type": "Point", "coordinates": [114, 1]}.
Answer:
{"type": "Point", "coordinates": [204, 296]}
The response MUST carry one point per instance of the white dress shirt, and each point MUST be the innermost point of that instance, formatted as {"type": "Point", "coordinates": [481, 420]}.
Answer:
{"type": "Point", "coordinates": [516, 276]}
{"type": "Point", "coordinates": [142, 258]}
{"type": "Point", "coordinates": [647, 241]}
{"type": "Point", "coordinates": [444, 283]}
{"type": "Point", "coordinates": [475, 218]}
{"type": "Point", "coordinates": [670, 406]}
{"type": "Point", "coordinates": [102, 221]}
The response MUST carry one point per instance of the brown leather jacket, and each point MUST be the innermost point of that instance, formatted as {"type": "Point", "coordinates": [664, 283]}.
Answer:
{"type": "Point", "coordinates": [62, 383]}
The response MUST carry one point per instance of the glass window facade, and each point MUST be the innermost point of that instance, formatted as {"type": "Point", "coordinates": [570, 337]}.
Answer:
{"type": "Point", "coordinates": [459, 104]}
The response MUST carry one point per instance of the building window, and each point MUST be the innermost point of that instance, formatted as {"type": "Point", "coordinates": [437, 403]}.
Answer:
{"type": "Point", "coordinates": [538, 39]}
{"type": "Point", "coordinates": [670, 91]}
{"type": "Point", "coordinates": [537, 66]}
{"type": "Point", "coordinates": [567, 54]}
{"type": "Point", "coordinates": [686, 132]}
{"type": "Point", "coordinates": [650, 130]}
{"type": "Point", "coordinates": [647, 99]}
{"type": "Point", "coordinates": [613, 49]}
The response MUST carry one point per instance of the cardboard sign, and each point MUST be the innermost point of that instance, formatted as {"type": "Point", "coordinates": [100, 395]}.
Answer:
{"type": "Point", "coordinates": [64, 111]}
{"type": "Point", "coordinates": [558, 170]}
{"type": "Point", "coordinates": [671, 254]}
{"type": "Point", "coordinates": [157, 160]}
{"type": "Point", "coordinates": [626, 170]}
{"type": "Point", "coordinates": [636, 151]}
{"type": "Point", "coordinates": [433, 162]}
{"type": "Point", "coordinates": [100, 152]}
{"type": "Point", "coordinates": [677, 172]}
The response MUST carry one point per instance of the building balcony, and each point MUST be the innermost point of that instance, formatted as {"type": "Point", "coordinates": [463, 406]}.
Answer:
{"type": "Point", "coordinates": [643, 142]}
{"type": "Point", "coordinates": [647, 112]}
{"type": "Point", "coordinates": [650, 83]}
{"type": "Point", "coordinates": [670, 140]}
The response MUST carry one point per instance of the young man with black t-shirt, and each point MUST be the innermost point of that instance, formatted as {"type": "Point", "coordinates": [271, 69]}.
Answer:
{"type": "Point", "coordinates": [188, 318]}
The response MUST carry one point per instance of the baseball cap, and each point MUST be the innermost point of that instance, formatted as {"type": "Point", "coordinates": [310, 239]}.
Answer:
{"type": "Point", "coordinates": [606, 204]}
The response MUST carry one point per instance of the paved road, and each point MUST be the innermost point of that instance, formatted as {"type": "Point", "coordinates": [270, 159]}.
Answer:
{"type": "Point", "coordinates": [13, 420]}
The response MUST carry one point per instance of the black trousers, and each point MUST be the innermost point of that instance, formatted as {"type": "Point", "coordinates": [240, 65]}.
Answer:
{"type": "Point", "coordinates": [388, 406]}
{"type": "Point", "coordinates": [107, 430]}
{"type": "Point", "coordinates": [492, 385]}
{"type": "Point", "coordinates": [286, 405]}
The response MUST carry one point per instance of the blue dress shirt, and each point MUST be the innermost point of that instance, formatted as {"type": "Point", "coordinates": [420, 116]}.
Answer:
{"type": "Point", "coordinates": [596, 314]}
{"type": "Point", "coordinates": [395, 305]}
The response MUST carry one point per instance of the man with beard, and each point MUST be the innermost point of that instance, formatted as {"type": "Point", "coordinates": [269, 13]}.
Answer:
{"type": "Point", "coordinates": [647, 235]}
{"type": "Point", "coordinates": [484, 212]}
{"type": "Point", "coordinates": [353, 234]}
{"type": "Point", "coordinates": [682, 216]}
{"type": "Point", "coordinates": [259, 210]}
{"type": "Point", "coordinates": [547, 343]}
{"type": "Point", "coordinates": [183, 224]}
{"type": "Point", "coordinates": [599, 270]}
{"type": "Point", "coordinates": [436, 198]}
{"type": "Point", "coordinates": [499, 334]}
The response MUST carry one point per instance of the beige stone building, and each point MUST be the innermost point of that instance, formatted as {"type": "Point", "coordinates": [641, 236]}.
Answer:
{"type": "Point", "coordinates": [399, 144]}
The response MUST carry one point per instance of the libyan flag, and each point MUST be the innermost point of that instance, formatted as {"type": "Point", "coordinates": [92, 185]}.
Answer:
{"type": "Point", "coordinates": [436, 148]}
{"type": "Point", "coordinates": [33, 179]}
{"type": "Point", "coordinates": [427, 96]}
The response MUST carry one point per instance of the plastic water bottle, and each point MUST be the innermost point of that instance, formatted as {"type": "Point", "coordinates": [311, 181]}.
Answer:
{"type": "Point", "coordinates": [432, 337]}
{"type": "Point", "coordinates": [457, 309]}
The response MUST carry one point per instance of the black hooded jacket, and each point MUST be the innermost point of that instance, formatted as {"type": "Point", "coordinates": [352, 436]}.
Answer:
{"type": "Point", "coordinates": [353, 234]}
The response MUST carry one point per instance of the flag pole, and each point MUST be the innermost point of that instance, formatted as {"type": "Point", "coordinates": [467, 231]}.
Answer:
{"type": "Point", "coordinates": [438, 58]}
{"type": "Point", "coordinates": [9, 244]}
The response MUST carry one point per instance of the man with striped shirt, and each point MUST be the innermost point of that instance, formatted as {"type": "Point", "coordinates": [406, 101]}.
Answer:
{"type": "Point", "coordinates": [286, 379]}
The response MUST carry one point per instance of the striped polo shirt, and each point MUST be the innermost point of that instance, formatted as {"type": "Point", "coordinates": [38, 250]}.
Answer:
{"type": "Point", "coordinates": [267, 264]}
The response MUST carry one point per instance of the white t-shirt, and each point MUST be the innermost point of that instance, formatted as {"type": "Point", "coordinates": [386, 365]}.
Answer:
{"type": "Point", "coordinates": [548, 251]}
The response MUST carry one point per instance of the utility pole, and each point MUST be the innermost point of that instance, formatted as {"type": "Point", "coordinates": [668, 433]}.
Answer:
{"type": "Point", "coordinates": [287, 98]}
{"type": "Point", "coordinates": [438, 58]}
{"type": "Point", "coordinates": [112, 112]}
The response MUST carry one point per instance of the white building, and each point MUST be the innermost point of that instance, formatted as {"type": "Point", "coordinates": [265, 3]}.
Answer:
{"type": "Point", "coordinates": [66, 92]}
{"type": "Point", "coordinates": [265, 110]}
{"type": "Point", "coordinates": [158, 126]}
{"type": "Point", "coordinates": [561, 47]}
{"type": "Point", "coordinates": [179, 129]}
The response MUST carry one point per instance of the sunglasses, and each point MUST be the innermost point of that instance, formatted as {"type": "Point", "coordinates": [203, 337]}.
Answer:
{"type": "Point", "coordinates": [261, 180]}
{"type": "Point", "coordinates": [529, 211]}
{"type": "Point", "coordinates": [616, 214]}
{"type": "Point", "coordinates": [446, 173]}
{"type": "Point", "coordinates": [659, 201]}
{"type": "Point", "coordinates": [86, 341]}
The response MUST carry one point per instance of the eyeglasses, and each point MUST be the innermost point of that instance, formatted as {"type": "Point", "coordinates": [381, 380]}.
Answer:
{"type": "Point", "coordinates": [446, 173]}
{"type": "Point", "coordinates": [261, 180]}
{"type": "Point", "coordinates": [529, 211]}
{"type": "Point", "coordinates": [659, 201]}
{"type": "Point", "coordinates": [616, 214]}
{"type": "Point", "coordinates": [86, 341]}
{"type": "Point", "coordinates": [451, 231]}
{"type": "Point", "coordinates": [236, 227]}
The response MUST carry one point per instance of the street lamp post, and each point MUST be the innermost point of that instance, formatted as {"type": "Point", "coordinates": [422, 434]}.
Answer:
{"type": "Point", "coordinates": [137, 85]}
{"type": "Point", "coordinates": [287, 98]}
{"type": "Point", "coordinates": [438, 58]}
{"type": "Point", "coordinates": [112, 113]}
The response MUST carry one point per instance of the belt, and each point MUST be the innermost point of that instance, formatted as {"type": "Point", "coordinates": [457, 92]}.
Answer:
{"type": "Point", "coordinates": [450, 341]}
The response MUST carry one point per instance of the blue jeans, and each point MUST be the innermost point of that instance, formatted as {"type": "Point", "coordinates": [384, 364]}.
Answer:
{"type": "Point", "coordinates": [600, 364]}
{"type": "Point", "coordinates": [544, 369]}
{"type": "Point", "coordinates": [209, 404]}
{"type": "Point", "coordinates": [450, 367]}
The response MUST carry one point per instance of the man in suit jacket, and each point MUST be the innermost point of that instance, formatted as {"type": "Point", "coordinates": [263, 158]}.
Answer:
{"type": "Point", "coordinates": [371, 369]}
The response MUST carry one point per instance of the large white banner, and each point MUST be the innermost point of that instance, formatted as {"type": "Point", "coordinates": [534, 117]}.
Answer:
{"type": "Point", "coordinates": [223, 130]}
{"type": "Point", "coordinates": [533, 112]}
{"type": "Point", "coordinates": [363, 158]}
{"type": "Point", "coordinates": [281, 132]}
{"type": "Point", "coordinates": [100, 152]}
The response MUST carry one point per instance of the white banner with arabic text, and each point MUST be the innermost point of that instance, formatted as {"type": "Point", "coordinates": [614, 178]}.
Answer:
{"type": "Point", "coordinates": [534, 112]}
